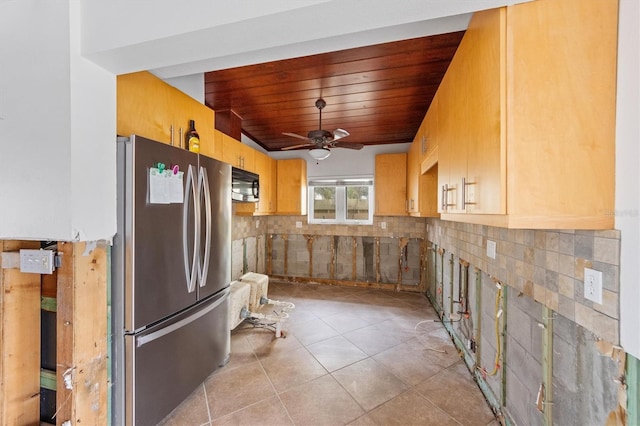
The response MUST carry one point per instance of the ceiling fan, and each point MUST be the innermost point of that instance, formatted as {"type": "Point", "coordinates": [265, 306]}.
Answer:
{"type": "Point", "coordinates": [320, 140]}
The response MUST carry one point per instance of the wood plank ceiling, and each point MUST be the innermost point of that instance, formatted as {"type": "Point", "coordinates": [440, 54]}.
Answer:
{"type": "Point", "coordinates": [379, 93]}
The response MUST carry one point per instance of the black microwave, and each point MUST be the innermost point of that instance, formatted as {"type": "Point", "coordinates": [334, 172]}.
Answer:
{"type": "Point", "coordinates": [245, 186]}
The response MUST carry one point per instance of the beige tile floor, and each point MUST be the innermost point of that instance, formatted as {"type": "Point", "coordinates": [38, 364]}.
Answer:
{"type": "Point", "coordinates": [351, 356]}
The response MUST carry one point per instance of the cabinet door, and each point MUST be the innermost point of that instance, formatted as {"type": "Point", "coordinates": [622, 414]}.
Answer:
{"type": "Point", "coordinates": [184, 108]}
{"type": "Point", "coordinates": [149, 107]}
{"type": "Point", "coordinates": [561, 79]}
{"type": "Point", "coordinates": [237, 154]}
{"type": "Point", "coordinates": [470, 121]}
{"type": "Point", "coordinates": [413, 176]}
{"type": "Point", "coordinates": [484, 50]}
{"type": "Point", "coordinates": [292, 186]}
{"type": "Point", "coordinates": [449, 155]}
{"type": "Point", "coordinates": [144, 107]}
{"type": "Point", "coordinates": [391, 184]}
{"type": "Point", "coordinates": [213, 149]}
{"type": "Point", "coordinates": [263, 168]}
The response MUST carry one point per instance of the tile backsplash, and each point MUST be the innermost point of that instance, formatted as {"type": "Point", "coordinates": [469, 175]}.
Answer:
{"type": "Point", "coordinates": [394, 226]}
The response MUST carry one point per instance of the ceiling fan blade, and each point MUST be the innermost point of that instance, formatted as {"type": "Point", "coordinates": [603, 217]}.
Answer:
{"type": "Point", "coordinates": [339, 134]}
{"type": "Point", "coordinates": [296, 136]}
{"type": "Point", "coordinates": [348, 145]}
{"type": "Point", "coordinates": [286, 148]}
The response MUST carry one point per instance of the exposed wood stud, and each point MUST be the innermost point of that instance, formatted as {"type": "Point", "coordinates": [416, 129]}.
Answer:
{"type": "Point", "coordinates": [354, 258]}
{"type": "Point", "coordinates": [424, 269]}
{"type": "Point", "coordinates": [378, 275]}
{"type": "Point", "coordinates": [64, 348]}
{"type": "Point", "coordinates": [269, 243]}
{"type": "Point", "coordinates": [82, 334]}
{"type": "Point", "coordinates": [19, 342]}
{"type": "Point", "coordinates": [332, 266]}
{"type": "Point", "coordinates": [403, 242]}
{"type": "Point", "coordinates": [310, 239]}
{"type": "Point", "coordinates": [285, 238]}
{"type": "Point", "coordinates": [245, 261]}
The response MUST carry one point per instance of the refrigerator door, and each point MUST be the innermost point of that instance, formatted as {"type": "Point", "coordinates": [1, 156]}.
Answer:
{"type": "Point", "coordinates": [165, 363]}
{"type": "Point", "coordinates": [214, 267]}
{"type": "Point", "coordinates": [160, 240]}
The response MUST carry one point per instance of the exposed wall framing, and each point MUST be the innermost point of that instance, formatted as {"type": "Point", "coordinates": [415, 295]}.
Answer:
{"type": "Point", "coordinates": [399, 264]}
{"type": "Point", "coordinates": [82, 334]}
{"type": "Point", "coordinates": [533, 365]}
{"type": "Point", "coordinates": [19, 342]}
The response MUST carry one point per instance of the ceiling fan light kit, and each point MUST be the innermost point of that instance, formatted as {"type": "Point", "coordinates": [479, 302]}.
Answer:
{"type": "Point", "coordinates": [319, 153]}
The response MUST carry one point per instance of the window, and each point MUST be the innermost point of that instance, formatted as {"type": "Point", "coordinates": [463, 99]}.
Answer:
{"type": "Point", "coordinates": [341, 201]}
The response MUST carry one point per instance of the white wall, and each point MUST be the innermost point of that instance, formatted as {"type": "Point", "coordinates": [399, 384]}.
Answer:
{"type": "Point", "coordinates": [628, 173]}
{"type": "Point", "coordinates": [56, 136]}
{"type": "Point", "coordinates": [343, 162]}
{"type": "Point", "coordinates": [92, 143]}
{"type": "Point", "coordinates": [192, 85]}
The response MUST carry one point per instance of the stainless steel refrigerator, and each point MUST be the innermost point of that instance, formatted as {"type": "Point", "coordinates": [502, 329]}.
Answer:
{"type": "Point", "coordinates": [171, 271]}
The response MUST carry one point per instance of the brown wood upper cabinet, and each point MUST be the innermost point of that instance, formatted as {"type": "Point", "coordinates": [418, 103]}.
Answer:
{"type": "Point", "coordinates": [292, 186]}
{"type": "Point", "coordinates": [526, 118]}
{"type": "Point", "coordinates": [149, 107]}
{"type": "Point", "coordinates": [237, 154]}
{"type": "Point", "coordinates": [391, 184]}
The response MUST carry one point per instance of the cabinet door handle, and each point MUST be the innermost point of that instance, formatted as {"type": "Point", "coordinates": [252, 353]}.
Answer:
{"type": "Point", "coordinates": [445, 197]}
{"type": "Point", "coordinates": [412, 204]}
{"type": "Point", "coordinates": [465, 203]}
{"type": "Point", "coordinates": [445, 192]}
{"type": "Point", "coordinates": [171, 130]}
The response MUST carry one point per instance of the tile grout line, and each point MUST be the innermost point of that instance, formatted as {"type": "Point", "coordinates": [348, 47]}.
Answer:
{"type": "Point", "coordinates": [272, 385]}
{"type": "Point", "coordinates": [206, 401]}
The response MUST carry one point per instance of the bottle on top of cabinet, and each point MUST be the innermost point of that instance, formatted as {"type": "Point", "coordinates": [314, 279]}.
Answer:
{"type": "Point", "coordinates": [192, 139]}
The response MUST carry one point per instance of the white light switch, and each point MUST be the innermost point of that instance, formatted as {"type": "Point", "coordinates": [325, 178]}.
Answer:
{"type": "Point", "coordinates": [491, 249]}
{"type": "Point", "coordinates": [36, 261]}
{"type": "Point", "coordinates": [593, 285]}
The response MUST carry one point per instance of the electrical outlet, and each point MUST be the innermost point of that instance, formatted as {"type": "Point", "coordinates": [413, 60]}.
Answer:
{"type": "Point", "coordinates": [491, 249]}
{"type": "Point", "coordinates": [298, 224]}
{"type": "Point", "coordinates": [383, 225]}
{"type": "Point", "coordinates": [36, 261]}
{"type": "Point", "coordinates": [257, 223]}
{"type": "Point", "coordinates": [593, 285]}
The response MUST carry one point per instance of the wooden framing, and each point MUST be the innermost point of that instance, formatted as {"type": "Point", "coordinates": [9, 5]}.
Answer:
{"type": "Point", "coordinates": [82, 334]}
{"type": "Point", "coordinates": [353, 279]}
{"type": "Point", "coordinates": [19, 342]}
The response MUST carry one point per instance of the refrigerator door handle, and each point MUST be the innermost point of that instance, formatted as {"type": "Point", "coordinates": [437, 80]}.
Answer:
{"type": "Point", "coordinates": [190, 264]}
{"type": "Point", "coordinates": [144, 339]}
{"type": "Point", "coordinates": [203, 186]}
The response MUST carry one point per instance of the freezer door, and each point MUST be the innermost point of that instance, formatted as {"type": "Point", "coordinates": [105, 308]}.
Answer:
{"type": "Point", "coordinates": [168, 361]}
{"type": "Point", "coordinates": [159, 239]}
{"type": "Point", "coordinates": [214, 192]}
